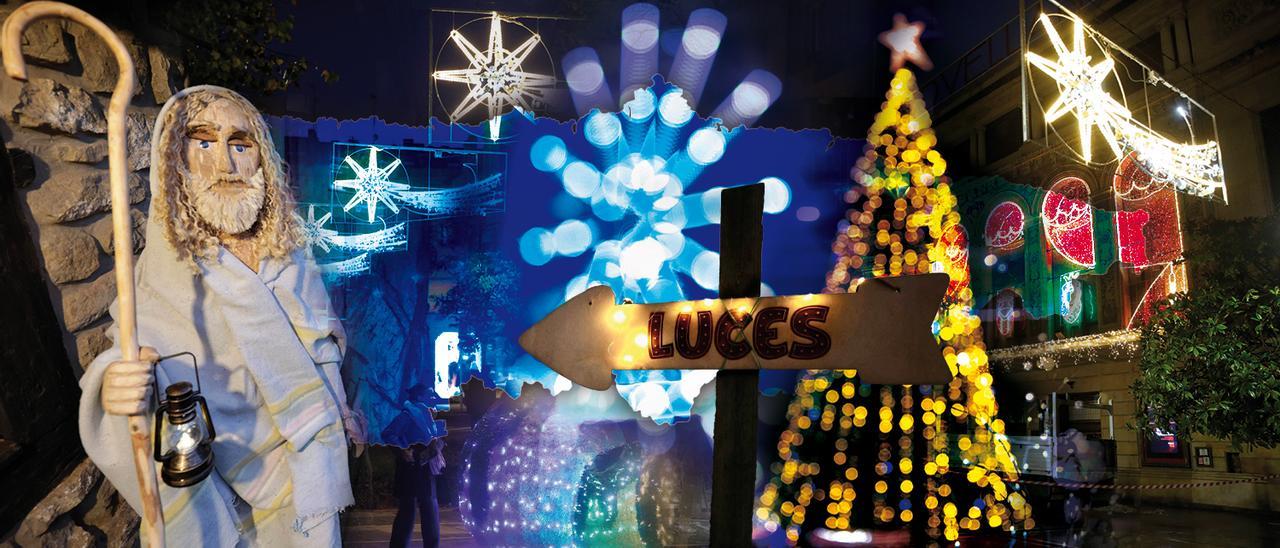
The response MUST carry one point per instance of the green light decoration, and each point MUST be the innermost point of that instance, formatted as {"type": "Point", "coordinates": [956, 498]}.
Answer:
{"type": "Point", "coordinates": [605, 512]}
{"type": "Point", "coordinates": [1037, 270]}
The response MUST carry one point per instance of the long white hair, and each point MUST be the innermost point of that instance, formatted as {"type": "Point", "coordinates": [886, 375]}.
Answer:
{"type": "Point", "coordinates": [277, 232]}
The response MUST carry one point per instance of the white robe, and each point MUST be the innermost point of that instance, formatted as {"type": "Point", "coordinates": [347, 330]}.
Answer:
{"type": "Point", "coordinates": [268, 346]}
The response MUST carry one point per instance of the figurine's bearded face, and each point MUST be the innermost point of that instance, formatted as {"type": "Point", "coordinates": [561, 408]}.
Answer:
{"type": "Point", "coordinates": [223, 174]}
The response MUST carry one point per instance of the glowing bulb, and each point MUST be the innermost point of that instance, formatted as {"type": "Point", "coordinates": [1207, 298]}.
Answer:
{"type": "Point", "coordinates": [707, 145]}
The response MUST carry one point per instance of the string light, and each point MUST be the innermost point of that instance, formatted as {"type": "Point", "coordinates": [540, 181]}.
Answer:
{"type": "Point", "coordinates": [478, 198]}
{"type": "Point", "coordinates": [345, 268]}
{"type": "Point", "coordinates": [1067, 218]}
{"type": "Point", "coordinates": [902, 220]}
{"type": "Point", "coordinates": [1004, 227]}
{"type": "Point", "coordinates": [314, 231]}
{"type": "Point", "coordinates": [1119, 345]}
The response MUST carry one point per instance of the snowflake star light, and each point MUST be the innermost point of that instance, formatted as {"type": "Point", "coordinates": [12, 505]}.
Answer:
{"type": "Point", "coordinates": [495, 76]}
{"type": "Point", "coordinates": [372, 184]}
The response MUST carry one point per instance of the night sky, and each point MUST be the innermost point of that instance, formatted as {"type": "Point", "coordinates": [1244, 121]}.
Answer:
{"type": "Point", "coordinates": [833, 70]}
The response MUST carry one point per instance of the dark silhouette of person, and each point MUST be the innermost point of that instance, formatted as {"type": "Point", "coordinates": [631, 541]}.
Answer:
{"type": "Point", "coordinates": [417, 466]}
{"type": "Point", "coordinates": [415, 488]}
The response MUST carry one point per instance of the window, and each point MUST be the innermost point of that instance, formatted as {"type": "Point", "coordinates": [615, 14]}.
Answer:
{"type": "Point", "coordinates": [1270, 119]}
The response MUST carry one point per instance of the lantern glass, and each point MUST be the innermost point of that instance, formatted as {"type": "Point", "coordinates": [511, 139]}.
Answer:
{"type": "Point", "coordinates": [184, 436]}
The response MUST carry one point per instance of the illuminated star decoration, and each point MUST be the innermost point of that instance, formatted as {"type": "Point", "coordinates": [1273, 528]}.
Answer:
{"type": "Point", "coordinates": [1080, 82]}
{"type": "Point", "coordinates": [372, 184]}
{"type": "Point", "coordinates": [1194, 168]}
{"type": "Point", "coordinates": [495, 77]}
{"type": "Point", "coordinates": [314, 231]}
{"type": "Point", "coordinates": [903, 40]}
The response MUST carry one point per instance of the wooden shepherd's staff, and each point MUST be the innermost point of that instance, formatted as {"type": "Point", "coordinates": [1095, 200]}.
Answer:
{"type": "Point", "coordinates": [126, 321]}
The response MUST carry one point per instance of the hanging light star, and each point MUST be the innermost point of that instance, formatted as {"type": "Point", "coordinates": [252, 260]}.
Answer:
{"type": "Point", "coordinates": [314, 231]}
{"type": "Point", "coordinates": [495, 76]}
{"type": "Point", "coordinates": [1080, 83]}
{"type": "Point", "coordinates": [1195, 168]}
{"type": "Point", "coordinates": [372, 184]}
{"type": "Point", "coordinates": [903, 40]}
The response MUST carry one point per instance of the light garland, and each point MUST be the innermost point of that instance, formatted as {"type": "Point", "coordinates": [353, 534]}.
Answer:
{"type": "Point", "coordinates": [1171, 279]}
{"type": "Point", "coordinates": [1006, 312]}
{"type": "Point", "coordinates": [313, 229]}
{"type": "Point", "coordinates": [495, 76]}
{"type": "Point", "coordinates": [1119, 345]}
{"type": "Point", "coordinates": [1071, 299]}
{"type": "Point", "coordinates": [475, 198]}
{"type": "Point", "coordinates": [1148, 218]}
{"type": "Point", "coordinates": [346, 268]}
{"type": "Point", "coordinates": [317, 235]}
{"type": "Point", "coordinates": [1194, 168]}
{"type": "Point", "coordinates": [379, 240]}
{"type": "Point", "coordinates": [1067, 218]}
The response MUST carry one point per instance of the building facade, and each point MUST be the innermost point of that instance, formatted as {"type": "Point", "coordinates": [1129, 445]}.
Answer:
{"type": "Point", "coordinates": [1068, 256]}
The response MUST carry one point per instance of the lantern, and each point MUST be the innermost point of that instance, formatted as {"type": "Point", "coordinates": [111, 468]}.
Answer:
{"type": "Point", "coordinates": [183, 440]}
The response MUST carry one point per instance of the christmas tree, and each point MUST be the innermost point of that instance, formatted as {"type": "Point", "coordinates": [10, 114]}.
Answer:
{"type": "Point", "coordinates": [938, 461]}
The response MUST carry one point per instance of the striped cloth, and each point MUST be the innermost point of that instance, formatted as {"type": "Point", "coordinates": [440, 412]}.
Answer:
{"type": "Point", "coordinates": [280, 455]}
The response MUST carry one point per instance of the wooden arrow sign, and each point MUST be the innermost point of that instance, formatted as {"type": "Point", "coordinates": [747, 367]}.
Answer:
{"type": "Point", "coordinates": [883, 330]}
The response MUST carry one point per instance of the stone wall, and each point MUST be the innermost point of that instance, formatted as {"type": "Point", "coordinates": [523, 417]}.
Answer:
{"type": "Point", "coordinates": [54, 125]}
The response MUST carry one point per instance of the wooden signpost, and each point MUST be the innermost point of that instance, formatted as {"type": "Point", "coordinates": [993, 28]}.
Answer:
{"type": "Point", "coordinates": [883, 330]}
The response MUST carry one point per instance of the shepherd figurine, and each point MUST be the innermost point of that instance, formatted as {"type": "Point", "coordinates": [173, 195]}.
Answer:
{"type": "Point", "coordinates": [226, 278]}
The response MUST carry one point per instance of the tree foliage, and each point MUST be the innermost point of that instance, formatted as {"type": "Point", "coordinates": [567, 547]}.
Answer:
{"type": "Point", "coordinates": [229, 43]}
{"type": "Point", "coordinates": [1211, 357]}
{"type": "Point", "coordinates": [481, 300]}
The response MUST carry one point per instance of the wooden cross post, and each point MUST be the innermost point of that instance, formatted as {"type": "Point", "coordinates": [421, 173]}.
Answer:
{"type": "Point", "coordinates": [733, 468]}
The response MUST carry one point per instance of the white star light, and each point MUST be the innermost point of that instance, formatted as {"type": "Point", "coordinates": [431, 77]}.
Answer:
{"type": "Point", "coordinates": [1194, 168]}
{"type": "Point", "coordinates": [314, 231]}
{"type": "Point", "coordinates": [903, 41]}
{"type": "Point", "coordinates": [372, 184]}
{"type": "Point", "coordinates": [495, 76]}
{"type": "Point", "coordinates": [1080, 84]}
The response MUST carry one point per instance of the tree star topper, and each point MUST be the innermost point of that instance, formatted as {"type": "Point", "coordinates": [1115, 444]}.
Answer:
{"type": "Point", "coordinates": [903, 40]}
{"type": "Point", "coordinates": [495, 76]}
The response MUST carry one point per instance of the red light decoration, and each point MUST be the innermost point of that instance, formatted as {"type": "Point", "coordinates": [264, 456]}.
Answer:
{"type": "Point", "coordinates": [955, 242]}
{"type": "Point", "coordinates": [1172, 279]}
{"type": "Point", "coordinates": [1068, 220]}
{"type": "Point", "coordinates": [1147, 217]}
{"type": "Point", "coordinates": [1004, 227]}
{"type": "Point", "coordinates": [1130, 238]}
